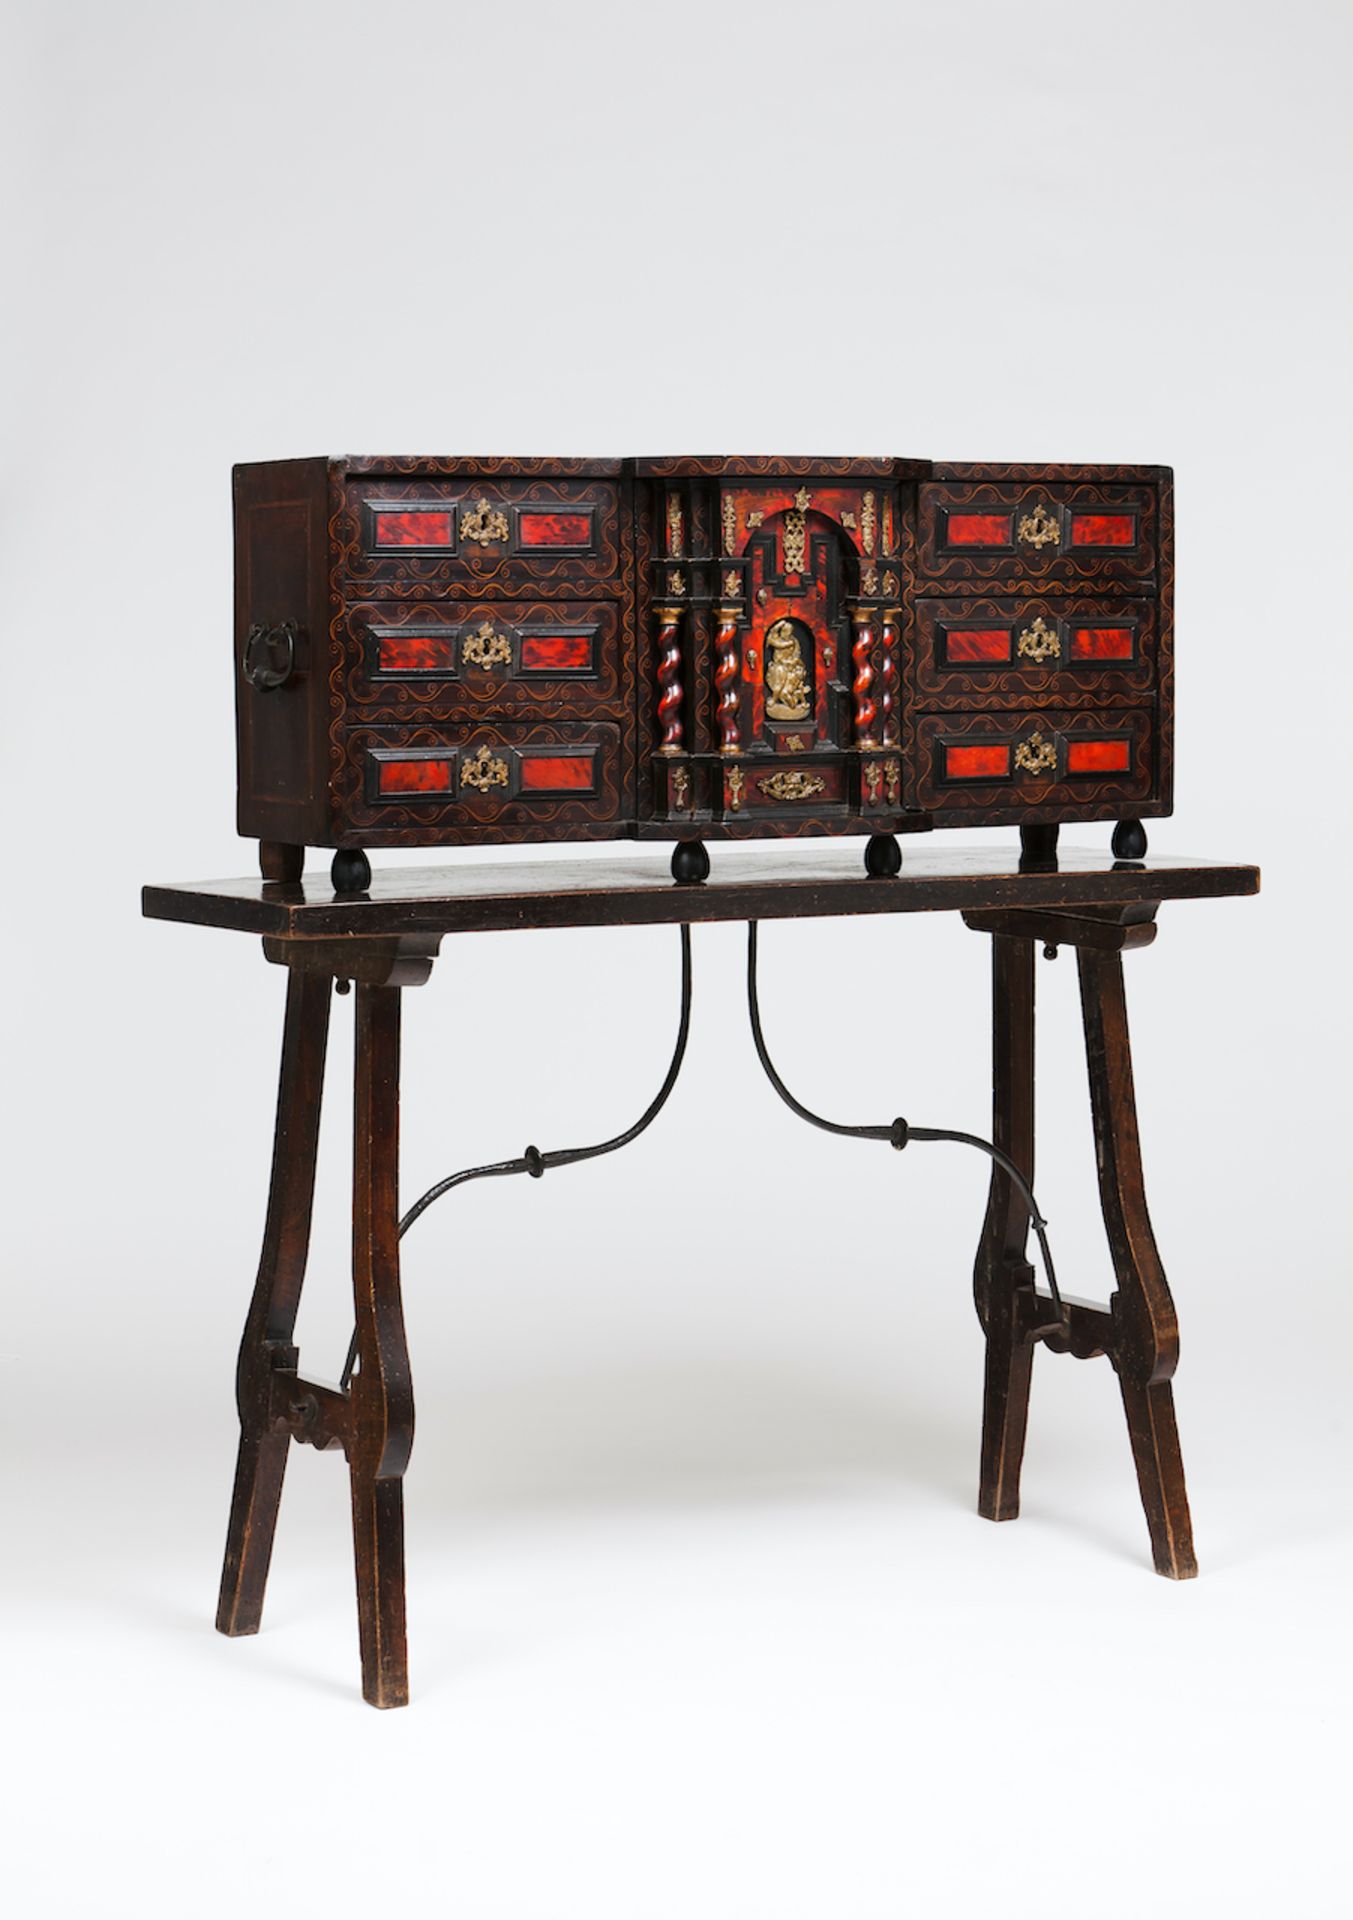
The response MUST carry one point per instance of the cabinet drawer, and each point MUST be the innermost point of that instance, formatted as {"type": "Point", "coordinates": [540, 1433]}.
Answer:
{"type": "Point", "coordinates": [476, 778]}
{"type": "Point", "coordinates": [789, 786]}
{"type": "Point", "coordinates": [1024, 759]}
{"type": "Point", "coordinates": [1054, 536]}
{"type": "Point", "coordinates": [1067, 651]}
{"type": "Point", "coordinates": [422, 538]}
{"type": "Point", "coordinates": [411, 660]}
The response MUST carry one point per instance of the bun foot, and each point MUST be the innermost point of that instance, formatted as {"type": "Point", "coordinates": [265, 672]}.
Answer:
{"type": "Point", "coordinates": [883, 856]}
{"type": "Point", "coordinates": [690, 862]}
{"type": "Point", "coordinates": [351, 871]}
{"type": "Point", "coordinates": [1129, 840]}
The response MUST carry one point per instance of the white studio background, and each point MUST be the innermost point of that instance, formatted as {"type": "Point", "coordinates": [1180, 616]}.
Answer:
{"type": "Point", "coordinates": [702, 1620]}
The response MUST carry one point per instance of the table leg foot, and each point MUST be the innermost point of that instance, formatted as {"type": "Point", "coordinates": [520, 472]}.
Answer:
{"type": "Point", "coordinates": [259, 1471]}
{"type": "Point", "coordinates": [1160, 1475]}
{"type": "Point", "coordinates": [1005, 1409]}
{"type": "Point", "coordinates": [378, 1540]}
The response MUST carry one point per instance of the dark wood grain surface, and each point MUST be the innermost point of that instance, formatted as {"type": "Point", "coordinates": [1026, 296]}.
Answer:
{"type": "Point", "coordinates": [770, 884]}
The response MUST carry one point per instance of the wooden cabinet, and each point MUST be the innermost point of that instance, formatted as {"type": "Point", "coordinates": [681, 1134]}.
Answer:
{"type": "Point", "coordinates": [433, 652]}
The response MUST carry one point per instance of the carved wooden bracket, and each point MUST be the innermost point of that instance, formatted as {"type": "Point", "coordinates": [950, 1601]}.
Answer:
{"type": "Point", "coordinates": [402, 960]}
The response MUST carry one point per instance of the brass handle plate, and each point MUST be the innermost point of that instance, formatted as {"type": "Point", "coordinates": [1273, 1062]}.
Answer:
{"type": "Point", "coordinates": [1038, 642]}
{"type": "Point", "coordinates": [483, 524]}
{"type": "Point", "coordinates": [485, 648]}
{"type": "Point", "coordinates": [483, 771]}
{"type": "Point", "coordinates": [1036, 755]}
{"type": "Point", "coordinates": [1039, 528]}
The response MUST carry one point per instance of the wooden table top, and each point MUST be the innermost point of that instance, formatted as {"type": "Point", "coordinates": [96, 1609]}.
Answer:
{"type": "Point", "coordinates": [765, 884]}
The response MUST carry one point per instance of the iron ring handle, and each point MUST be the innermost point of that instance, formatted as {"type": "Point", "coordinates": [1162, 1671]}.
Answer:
{"type": "Point", "coordinates": [263, 676]}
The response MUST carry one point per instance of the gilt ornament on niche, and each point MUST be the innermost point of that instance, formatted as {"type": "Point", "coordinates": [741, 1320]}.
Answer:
{"type": "Point", "coordinates": [788, 696]}
{"type": "Point", "coordinates": [792, 786]}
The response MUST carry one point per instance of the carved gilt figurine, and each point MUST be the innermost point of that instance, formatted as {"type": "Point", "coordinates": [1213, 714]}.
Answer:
{"type": "Point", "coordinates": [787, 694]}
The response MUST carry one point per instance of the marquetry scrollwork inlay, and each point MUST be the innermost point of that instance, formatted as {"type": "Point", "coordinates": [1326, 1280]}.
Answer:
{"type": "Point", "coordinates": [483, 524]}
{"type": "Point", "coordinates": [1039, 528]}
{"type": "Point", "coordinates": [486, 648]}
{"type": "Point", "coordinates": [792, 785]}
{"type": "Point", "coordinates": [483, 770]}
{"type": "Point", "coordinates": [1036, 755]}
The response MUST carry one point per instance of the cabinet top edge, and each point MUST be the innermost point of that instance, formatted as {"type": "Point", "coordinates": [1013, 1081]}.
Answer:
{"type": "Point", "coordinates": [1048, 470]}
{"type": "Point", "coordinates": [710, 466]}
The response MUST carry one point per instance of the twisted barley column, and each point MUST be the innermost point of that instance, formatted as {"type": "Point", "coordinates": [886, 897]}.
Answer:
{"type": "Point", "coordinates": [670, 691]}
{"type": "Point", "coordinates": [726, 681]}
{"type": "Point", "coordinates": [866, 707]}
{"type": "Point", "coordinates": [888, 718]}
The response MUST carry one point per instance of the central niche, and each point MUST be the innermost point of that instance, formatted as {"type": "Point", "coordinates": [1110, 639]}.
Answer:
{"type": "Point", "coordinates": [789, 689]}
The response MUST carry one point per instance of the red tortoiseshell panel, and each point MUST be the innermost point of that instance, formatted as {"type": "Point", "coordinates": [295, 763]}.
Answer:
{"type": "Point", "coordinates": [1098, 756]}
{"type": "Point", "coordinates": [415, 776]}
{"type": "Point", "coordinates": [415, 653]}
{"type": "Point", "coordinates": [556, 652]}
{"type": "Point", "coordinates": [567, 772]}
{"type": "Point", "coordinates": [1103, 530]}
{"type": "Point", "coordinates": [977, 763]}
{"type": "Point", "coordinates": [1101, 643]}
{"type": "Point", "coordinates": [977, 529]}
{"type": "Point", "coordinates": [554, 529]}
{"type": "Point", "coordinates": [977, 643]}
{"type": "Point", "coordinates": [426, 528]}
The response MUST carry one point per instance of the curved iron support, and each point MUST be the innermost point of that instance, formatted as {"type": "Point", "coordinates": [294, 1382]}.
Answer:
{"type": "Point", "coordinates": [900, 1132]}
{"type": "Point", "coordinates": [534, 1162]}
